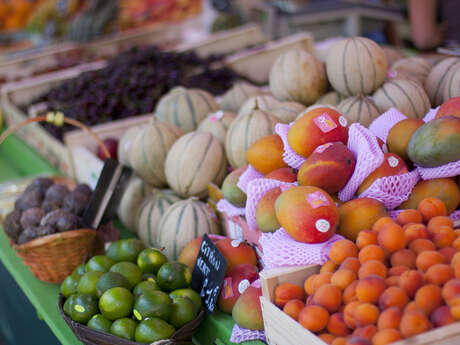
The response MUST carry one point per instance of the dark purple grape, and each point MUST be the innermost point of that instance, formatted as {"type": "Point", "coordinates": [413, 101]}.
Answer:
{"type": "Point", "coordinates": [45, 230]}
{"type": "Point", "coordinates": [31, 199]}
{"type": "Point", "coordinates": [50, 205]}
{"type": "Point", "coordinates": [52, 218]}
{"type": "Point", "coordinates": [13, 224]}
{"type": "Point", "coordinates": [31, 217]}
{"type": "Point", "coordinates": [75, 203]}
{"type": "Point", "coordinates": [57, 192]}
{"type": "Point", "coordinates": [43, 183]}
{"type": "Point", "coordinates": [27, 235]}
{"type": "Point", "coordinates": [67, 221]}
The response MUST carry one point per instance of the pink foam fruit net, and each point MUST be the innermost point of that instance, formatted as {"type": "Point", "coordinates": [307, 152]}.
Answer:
{"type": "Point", "coordinates": [381, 126]}
{"type": "Point", "coordinates": [364, 145]}
{"type": "Point", "coordinates": [256, 189]}
{"type": "Point", "coordinates": [280, 250]}
{"type": "Point", "coordinates": [249, 174]}
{"type": "Point", "coordinates": [229, 209]}
{"type": "Point", "coordinates": [290, 157]}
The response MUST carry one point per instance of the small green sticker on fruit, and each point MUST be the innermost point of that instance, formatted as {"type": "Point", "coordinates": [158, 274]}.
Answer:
{"type": "Point", "coordinates": [137, 314]}
{"type": "Point", "coordinates": [79, 308]}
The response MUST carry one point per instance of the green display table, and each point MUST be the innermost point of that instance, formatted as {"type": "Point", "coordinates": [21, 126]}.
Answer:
{"type": "Point", "coordinates": [18, 161]}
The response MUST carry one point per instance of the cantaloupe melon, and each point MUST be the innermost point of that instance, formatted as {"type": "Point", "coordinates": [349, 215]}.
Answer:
{"type": "Point", "coordinates": [287, 112]}
{"type": "Point", "coordinates": [149, 150]}
{"type": "Point", "coordinates": [239, 93]}
{"type": "Point", "coordinates": [437, 79]}
{"type": "Point", "coordinates": [298, 76]}
{"type": "Point", "coordinates": [356, 66]}
{"type": "Point", "coordinates": [136, 190]}
{"type": "Point", "coordinates": [125, 143]}
{"type": "Point", "coordinates": [359, 109]}
{"type": "Point", "coordinates": [330, 98]}
{"type": "Point", "coordinates": [195, 160]}
{"type": "Point", "coordinates": [244, 131]}
{"type": "Point", "coordinates": [263, 102]}
{"type": "Point", "coordinates": [452, 88]}
{"type": "Point", "coordinates": [416, 67]}
{"type": "Point", "coordinates": [150, 211]}
{"type": "Point", "coordinates": [217, 124]}
{"type": "Point", "coordinates": [185, 108]}
{"type": "Point", "coordinates": [184, 221]}
{"type": "Point", "coordinates": [407, 96]}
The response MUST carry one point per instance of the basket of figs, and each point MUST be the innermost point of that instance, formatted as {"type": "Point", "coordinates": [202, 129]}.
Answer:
{"type": "Point", "coordinates": [45, 228]}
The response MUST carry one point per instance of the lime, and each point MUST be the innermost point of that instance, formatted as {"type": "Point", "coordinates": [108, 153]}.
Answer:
{"type": "Point", "coordinates": [88, 282]}
{"type": "Point", "coordinates": [184, 311]}
{"type": "Point", "coordinates": [68, 305]}
{"type": "Point", "coordinates": [99, 263]}
{"type": "Point", "coordinates": [124, 328]}
{"type": "Point", "coordinates": [145, 286]}
{"type": "Point", "coordinates": [70, 284]}
{"type": "Point", "coordinates": [79, 270]}
{"type": "Point", "coordinates": [125, 250]}
{"type": "Point", "coordinates": [116, 303]}
{"type": "Point", "coordinates": [128, 270]}
{"type": "Point", "coordinates": [110, 280]}
{"type": "Point", "coordinates": [174, 275]}
{"type": "Point", "coordinates": [99, 322]}
{"type": "Point", "coordinates": [192, 294]}
{"type": "Point", "coordinates": [153, 329]}
{"type": "Point", "coordinates": [153, 303]}
{"type": "Point", "coordinates": [149, 276]}
{"type": "Point", "coordinates": [150, 260]}
{"type": "Point", "coordinates": [83, 308]}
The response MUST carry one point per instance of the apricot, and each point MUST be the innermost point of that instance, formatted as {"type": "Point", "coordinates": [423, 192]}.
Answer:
{"type": "Point", "coordinates": [285, 292]}
{"type": "Point", "coordinates": [321, 279]}
{"type": "Point", "coordinates": [456, 244]}
{"type": "Point", "coordinates": [411, 306]}
{"type": "Point", "coordinates": [392, 238]}
{"type": "Point", "coordinates": [443, 236]}
{"type": "Point", "coordinates": [349, 294]}
{"type": "Point", "coordinates": [455, 259]}
{"type": "Point", "coordinates": [386, 336]}
{"type": "Point", "coordinates": [393, 296]}
{"type": "Point", "coordinates": [359, 214]}
{"type": "Point", "coordinates": [314, 318]}
{"type": "Point", "coordinates": [372, 267]}
{"type": "Point", "coordinates": [397, 270]}
{"type": "Point", "coordinates": [358, 341]}
{"type": "Point", "coordinates": [339, 341]}
{"type": "Point", "coordinates": [328, 296]}
{"type": "Point", "coordinates": [454, 305]}
{"type": "Point", "coordinates": [428, 258]}
{"type": "Point", "coordinates": [348, 313]}
{"type": "Point", "coordinates": [420, 245]}
{"type": "Point", "coordinates": [308, 285]}
{"type": "Point", "coordinates": [381, 223]}
{"type": "Point", "coordinates": [428, 298]}
{"type": "Point", "coordinates": [366, 314]}
{"type": "Point", "coordinates": [342, 278]}
{"type": "Point", "coordinates": [371, 252]}
{"type": "Point", "coordinates": [351, 264]}
{"type": "Point", "coordinates": [403, 257]}
{"type": "Point", "coordinates": [451, 289]}
{"type": "Point", "coordinates": [431, 207]}
{"type": "Point", "coordinates": [342, 249]}
{"type": "Point", "coordinates": [410, 281]}
{"type": "Point", "coordinates": [266, 154]}
{"type": "Point", "coordinates": [414, 322]}
{"type": "Point", "coordinates": [365, 238]}
{"type": "Point", "coordinates": [293, 308]}
{"type": "Point", "coordinates": [409, 216]}
{"type": "Point", "coordinates": [366, 332]}
{"type": "Point", "coordinates": [456, 267]}
{"type": "Point", "coordinates": [328, 266]}
{"type": "Point", "coordinates": [441, 316]}
{"type": "Point", "coordinates": [370, 288]}
{"type": "Point", "coordinates": [337, 326]}
{"type": "Point", "coordinates": [448, 253]}
{"type": "Point", "coordinates": [439, 221]}
{"type": "Point", "coordinates": [439, 274]}
{"type": "Point", "coordinates": [392, 281]}
{"type": "Point", "coordinates": [326, 337]}
{"type": "Point", "coordinates": [415, 231]}
{"type": "Point", "coordinates": [389, 318]}
{"type": "Point", "coordinates": [457, 232]}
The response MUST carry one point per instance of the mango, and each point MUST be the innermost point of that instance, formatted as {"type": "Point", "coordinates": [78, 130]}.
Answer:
{"type": "Point", "coordinates": [436, 143]}
{"type": "Point", "coordinates": [359, 214]}
{"type": "Point", "coordinates": [189, 254]}
{"type": "Point", "coordinates": [235, 283]}
{"type": "Point", "coordinates": [400, 134]}
{"type": "Point", "coordinates": [236, 252]}
{"type": "Point", "coordinates": [329, 167]}
{"type": "Point", "coordinates": [392, 165]}
{"type": "Point", "coordinates": [231, 191]}
{"type": "Point", "coordinates": [449, 107]}
{"type": "Point", "coordinates": [317, 127]}
{"type": "Point", "coordinates": [247, 312]}
{"type": "Point", "coordinates": [265, 211]}
{"type": "Point", "coordinates": [307, 213]}
{"type": "Point", "coordinates": [444, 189]}
{"type": "Point", "coordinates": [266, 154]}
{"type": "Point", "coordinates": [283, 174]}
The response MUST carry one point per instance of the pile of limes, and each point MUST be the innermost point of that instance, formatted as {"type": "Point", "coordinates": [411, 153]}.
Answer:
{"type": "Point", "coordinates": [132, 292]}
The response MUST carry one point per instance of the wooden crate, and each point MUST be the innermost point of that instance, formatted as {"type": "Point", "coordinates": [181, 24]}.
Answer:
{"type": "Point", "coordinates": [280, 329]}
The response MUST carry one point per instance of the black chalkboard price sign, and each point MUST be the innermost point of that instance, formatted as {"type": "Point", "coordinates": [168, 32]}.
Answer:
{"type": "Point", "coordinates": [208, 274]}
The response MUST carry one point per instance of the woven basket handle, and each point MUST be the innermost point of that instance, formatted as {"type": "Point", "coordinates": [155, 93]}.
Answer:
{"type": "Point", "coordinates": [57, 119]}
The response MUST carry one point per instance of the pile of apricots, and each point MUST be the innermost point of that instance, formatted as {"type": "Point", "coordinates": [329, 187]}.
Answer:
{"type": "Point", "coordinates": [398, 279]}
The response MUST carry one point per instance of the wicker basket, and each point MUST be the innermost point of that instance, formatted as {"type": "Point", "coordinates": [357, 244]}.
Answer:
{"type": "Point", "coordinates": [89, 336]}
